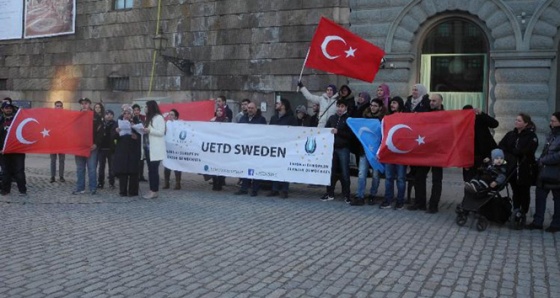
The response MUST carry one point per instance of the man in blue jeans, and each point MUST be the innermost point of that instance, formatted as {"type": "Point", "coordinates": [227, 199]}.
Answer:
{"type": "Point", "coordinates": [89, 162]}
{"type": "Point", "coordinates": [341, 153]}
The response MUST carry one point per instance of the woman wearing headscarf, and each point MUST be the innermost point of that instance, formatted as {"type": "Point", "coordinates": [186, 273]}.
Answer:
{"type": "Point", "coordinates": [384, 94]}
{"type": "Point", "coordinates": [418, 101]}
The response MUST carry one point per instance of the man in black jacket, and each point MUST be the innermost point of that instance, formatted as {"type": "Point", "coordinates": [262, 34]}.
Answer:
{"type": "Point", "coordinates": [253, 117]}
{"type": "Point", "coordinates": [106, 150]}
{"type": "Point", "coordinates": [13, 163]}
{"type": "Point", "coordinates": [341, 153]}
{"type": "Point", "coordinates": [436, 104]}
{"type": "Point", "coordinates": [283, 116]}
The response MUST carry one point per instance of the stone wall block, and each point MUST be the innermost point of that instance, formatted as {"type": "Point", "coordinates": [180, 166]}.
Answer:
{"type": "Point", "coordinates": [39, 84]}
{"type": "Point", "coordinates": [369, 31]}
{"type": "Point", "coordinates": [61, 59]}
{"type": "Point", "coordinates": [486, 10]}
{"type": "Point", "coordinates": [428, 7]}
{"type": "Point", "coordinates": [497, 19]}
{"type": "Point", "coordinates": [522, 92]}
{"type": "Point", "coordinates": [550, 16]}
{"type": "Point", "coordinates": [541, 42]}
{"type": "Point", "coordinates": [18, 61]}
{"type": "Point", "coordinates": [268, 51]}
{"type": "Point", "coordinates": [505, 43]}
{"type": "Point", "coordinates": [224, 67]}
{"type": "Point", "coordinates": [235, 36]}
{"type": "Point", "coordinates": [524, 75]}
{"type": "Point", "coordinates": [474, 6]}
{"type": "Point", "coordinates": [265, 35]}
{"type": "Point", "coordinates": [385, 15]}
{"type": "Point", "coordinates": [287, 67]}
{"type": "Point", "coordinates": [203, 8]}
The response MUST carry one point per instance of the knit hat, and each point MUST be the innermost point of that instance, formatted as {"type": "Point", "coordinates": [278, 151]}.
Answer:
{"type": "Point", "coordinates": [301, 109]}
{"type": "Point", "coordinates": [333, 88]}
{"type": "Point", "coordinates": [497, 153]}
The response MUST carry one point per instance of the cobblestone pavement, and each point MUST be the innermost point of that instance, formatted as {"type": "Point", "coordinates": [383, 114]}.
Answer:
{"type": "Point", "coordinates": [199, 243]}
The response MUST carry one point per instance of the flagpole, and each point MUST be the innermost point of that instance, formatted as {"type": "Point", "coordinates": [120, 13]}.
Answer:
{"type": "Point", "coordinates": [302, 68]}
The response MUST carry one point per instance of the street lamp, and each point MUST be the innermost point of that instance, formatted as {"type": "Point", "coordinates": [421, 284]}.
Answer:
{"type": "Point", "coordinates": [160, 44]}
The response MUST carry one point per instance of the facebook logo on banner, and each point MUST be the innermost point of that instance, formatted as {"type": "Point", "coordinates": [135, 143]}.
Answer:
{"type": "Point", "coordinates": [251, 172]}
{"type": "Point", "coordinates": [368, 131]}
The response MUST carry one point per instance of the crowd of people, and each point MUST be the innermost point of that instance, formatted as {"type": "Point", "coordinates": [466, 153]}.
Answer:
{"type": "Point", "coordinates": [121, 154]}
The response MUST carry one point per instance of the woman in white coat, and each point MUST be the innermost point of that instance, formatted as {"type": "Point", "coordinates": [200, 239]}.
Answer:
{"type": "Point", "coordinates": [326, 102]}
{"type": "Point", "coordinates": [154, 145]}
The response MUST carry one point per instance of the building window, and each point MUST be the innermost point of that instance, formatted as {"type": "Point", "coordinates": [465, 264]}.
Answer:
{"type": "Point", "coordinates": [123, 4]}
{"type": "Point", "coordinates": [3, 84]}
{"type": "Point", "coordinates": [119, 83]}
{"type": "Point", "coordinates": [454, 63]}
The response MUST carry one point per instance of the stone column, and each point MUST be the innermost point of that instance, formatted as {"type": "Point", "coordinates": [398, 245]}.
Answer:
{"type": "Point", "coordinates": [519, 82]}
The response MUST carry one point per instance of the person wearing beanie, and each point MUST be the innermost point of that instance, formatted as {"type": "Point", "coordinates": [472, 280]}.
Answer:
{"type": "Point", "coordinates": [362, 104]}
{"type": "Point", "coordinates": [345, 93]}
{"type": "Point", "coordinates": [302, 117]}
{"type": "Point", "coordinates": [326, 102]}
{"type": "Point", "coordinates": [494, 173]}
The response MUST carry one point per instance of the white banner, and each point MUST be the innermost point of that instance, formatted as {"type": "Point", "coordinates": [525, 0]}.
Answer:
{"type": "Point", "coordinates": [11, 19]}
{"type": "Point", "coordinates": [254, 151]}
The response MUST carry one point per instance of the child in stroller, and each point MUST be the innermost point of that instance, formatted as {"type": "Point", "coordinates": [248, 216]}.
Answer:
{"type": "Point", "coordinates": [492, 175]}
{"type": "Point", "coordinates": [482, 194]}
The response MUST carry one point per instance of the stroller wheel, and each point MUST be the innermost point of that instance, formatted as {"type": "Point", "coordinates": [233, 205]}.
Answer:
{"type": "Point", "coordinates": [519, 221]}
{"type": "Point", "coordinates": [481, 224]}
{"type": "Point", "coordinates": [461, 219]}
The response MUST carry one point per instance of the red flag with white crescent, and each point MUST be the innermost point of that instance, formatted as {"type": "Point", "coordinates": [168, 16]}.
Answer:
{"type": "Point", "coordinates": [439, 139]}
{"type": "Point", "coordinates": [49, 131]}
{"type": "Point", "coordinates": [337, 50]}
{"type": "Point", "coordinates": [202, 110]}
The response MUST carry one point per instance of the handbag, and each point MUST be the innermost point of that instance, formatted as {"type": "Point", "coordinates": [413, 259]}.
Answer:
{"type": "Point", "coordinates": [550, 174]}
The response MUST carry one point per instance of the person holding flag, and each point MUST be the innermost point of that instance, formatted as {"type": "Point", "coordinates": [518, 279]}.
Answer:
{"type": "Point", "coordinates": [392, 171]}
{"type": "Point", "coordinates": [376, 111]}
{"type": "Point", "coordinates": [13, 163]}
{"type": "Point", "coordinates": [326, 102]}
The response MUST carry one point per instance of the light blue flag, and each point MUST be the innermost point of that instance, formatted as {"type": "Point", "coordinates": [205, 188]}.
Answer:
{"type": "Point", "coordinates": [368, 131]}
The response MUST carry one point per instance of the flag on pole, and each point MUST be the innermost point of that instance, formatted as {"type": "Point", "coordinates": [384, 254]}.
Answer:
{"type": "Point", "coordinates": [337, 50]}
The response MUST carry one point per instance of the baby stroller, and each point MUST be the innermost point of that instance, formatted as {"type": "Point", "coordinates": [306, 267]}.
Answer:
{"type": "Point", "coordinates": [487, 205]}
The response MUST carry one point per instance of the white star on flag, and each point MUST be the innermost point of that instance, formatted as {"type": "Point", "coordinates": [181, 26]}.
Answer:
{"type": "Point", "coordinates": [45, 133]}
{"type": "Point", "coordinates": [420, 140]}
{"type": "Point", "coordinates": [350, 52]}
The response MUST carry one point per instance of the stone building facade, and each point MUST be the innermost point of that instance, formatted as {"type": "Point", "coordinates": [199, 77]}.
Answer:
{"type": "Point", "coordinates": [255, 49]}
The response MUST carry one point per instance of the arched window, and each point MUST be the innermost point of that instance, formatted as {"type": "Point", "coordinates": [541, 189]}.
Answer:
{"type": "Point", "coordinates": [454, 63]}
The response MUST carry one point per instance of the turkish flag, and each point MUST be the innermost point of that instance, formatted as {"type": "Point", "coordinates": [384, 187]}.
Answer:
{"type": "Point", "coordinates": [46, 130]}
{"type": "Point", "coordinates": [339, 51]}
{"type": "Point", "coordinates": [439, 139]}
{"type": "Point", "coordinates": [191, 111]}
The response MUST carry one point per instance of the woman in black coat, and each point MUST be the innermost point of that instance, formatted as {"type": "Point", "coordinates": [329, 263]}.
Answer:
{"type": "Point", "coordinates": [550, 157]}
{"type": "Point", "coordinates": [126, 157]}
{"type": "Point", "coordinates": [519, 146]}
